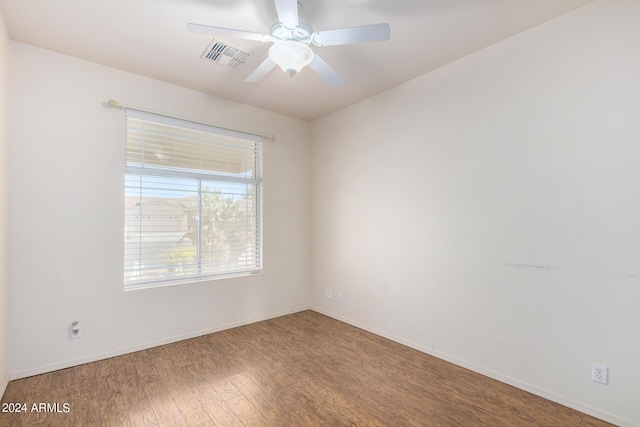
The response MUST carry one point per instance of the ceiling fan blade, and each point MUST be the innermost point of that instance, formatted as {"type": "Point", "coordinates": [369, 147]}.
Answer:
{"type": "Point", "coordinates": [220, 31]}
{"type": "Point", "coordinates": [262, 71]}
{"type": "Point", "coordinates": [366, 33]}
{"type": "Point", "coordinates": [325, 71]}
{"type": "Point", "coordinates": [288, 13]}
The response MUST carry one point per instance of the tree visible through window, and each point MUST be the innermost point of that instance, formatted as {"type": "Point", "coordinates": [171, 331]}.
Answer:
{"type": "Point", "coordinates": [192, 201]}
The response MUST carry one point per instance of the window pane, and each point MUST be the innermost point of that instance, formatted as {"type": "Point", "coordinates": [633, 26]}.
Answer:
{"type": "Point", "coordinates": [160, 238]}
{"type": "Point", "coordinates": [228, 228]}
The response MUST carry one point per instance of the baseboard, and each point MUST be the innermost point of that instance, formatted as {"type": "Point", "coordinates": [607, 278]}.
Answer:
{"type": "Point", "coordinates": [4, 382]}
{"type": "Point", "coordinates": [562, 400]}
{"type": "Point", "coordinates": [157, 343]}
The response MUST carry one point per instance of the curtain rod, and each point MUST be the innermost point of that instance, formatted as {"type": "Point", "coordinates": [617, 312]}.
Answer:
{"type": "Point", "coordinates": [112, 103]}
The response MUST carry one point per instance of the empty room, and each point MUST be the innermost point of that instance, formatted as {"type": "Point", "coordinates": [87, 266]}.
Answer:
{"type": "Point", "coordinates": [320, 213]}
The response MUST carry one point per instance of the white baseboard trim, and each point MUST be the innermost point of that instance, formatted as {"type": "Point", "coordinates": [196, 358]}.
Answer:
{"type": "Point", "coordinates": [562, 400]}
{"type": "Point", "coordinates": [4, 382]}
{"type": "Point", "coordinates": [157, 343]}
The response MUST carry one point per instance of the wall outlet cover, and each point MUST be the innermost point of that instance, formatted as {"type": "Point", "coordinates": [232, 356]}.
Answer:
{"type": "Point", "coordinates": [599, 373]}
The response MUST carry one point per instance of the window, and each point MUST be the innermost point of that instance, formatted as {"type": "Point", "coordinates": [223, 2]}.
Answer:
{"type": "Point", "coordinates": [192, 201]}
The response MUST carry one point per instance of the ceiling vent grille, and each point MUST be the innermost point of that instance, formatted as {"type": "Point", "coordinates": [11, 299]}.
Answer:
{"type": "Point", "coordinates": [224, 54]}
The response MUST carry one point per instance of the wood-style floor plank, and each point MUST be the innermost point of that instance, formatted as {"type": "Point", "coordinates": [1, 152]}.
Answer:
{"type": "Point", "coordinates": [300, 370]}
{"type": "Point", "coordinates": [132, 385]}
{"type": "Point", "coordinates": [36, 386]}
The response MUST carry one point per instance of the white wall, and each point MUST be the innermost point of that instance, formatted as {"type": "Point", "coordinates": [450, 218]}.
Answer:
{"type": "Point", "coordinates": [487, 212]}
{"type": "Point", "coordinates": [4, 207]}
{"type": "Point", "coordinates": [66, 230]}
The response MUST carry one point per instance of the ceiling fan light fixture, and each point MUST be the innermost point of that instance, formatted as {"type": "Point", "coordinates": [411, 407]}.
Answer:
{"type": "Point", "coordinates": [290, 55]}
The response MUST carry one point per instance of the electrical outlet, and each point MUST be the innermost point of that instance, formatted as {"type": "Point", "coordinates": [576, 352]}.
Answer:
{"type": "Point", "coordinates": [340, 299]}
{"type": "Point", "coordinates": [599, 373]}
{"type": "Point", "coordinates": [74, 330]}
{"type": "Point", "coordinates": [328, 293]}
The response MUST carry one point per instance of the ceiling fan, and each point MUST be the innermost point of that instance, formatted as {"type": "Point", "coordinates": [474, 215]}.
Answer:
{"type": "Point", "coordinates": [291, 38]}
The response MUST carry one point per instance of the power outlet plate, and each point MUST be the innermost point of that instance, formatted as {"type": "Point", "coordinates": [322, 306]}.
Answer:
{"type": "Point", "coordinates": [599, 373]}
{"type": "Point", "coordinates": [74, 330]}
{"type": "Point", "coordinates": [328, 293]}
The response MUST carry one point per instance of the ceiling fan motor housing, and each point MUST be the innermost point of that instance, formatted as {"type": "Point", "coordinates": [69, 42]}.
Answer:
{"type": "Point", "coordinates": [302, 33]}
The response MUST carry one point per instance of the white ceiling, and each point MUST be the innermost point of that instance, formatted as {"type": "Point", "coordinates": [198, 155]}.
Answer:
{"type": "Point", "coordinates": [149, 37]}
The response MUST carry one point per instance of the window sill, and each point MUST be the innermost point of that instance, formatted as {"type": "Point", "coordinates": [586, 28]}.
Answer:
{"type": "Point", "coordinates": [163, 284]}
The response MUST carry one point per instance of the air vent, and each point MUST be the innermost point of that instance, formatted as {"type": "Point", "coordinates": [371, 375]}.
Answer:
{"type": "Point", "coordinates": [224, 54]}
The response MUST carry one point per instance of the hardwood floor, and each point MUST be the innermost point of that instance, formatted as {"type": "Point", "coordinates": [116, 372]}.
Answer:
{"type": "Point", "coordinates": [304, 369]}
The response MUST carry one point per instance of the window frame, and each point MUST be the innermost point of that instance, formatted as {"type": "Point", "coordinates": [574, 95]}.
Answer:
{"type": "Point", "coordinates": [140, 170]}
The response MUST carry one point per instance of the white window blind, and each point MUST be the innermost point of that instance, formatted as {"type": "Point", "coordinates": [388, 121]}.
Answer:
{"type": "Point", "coordinates": [192, 201]}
